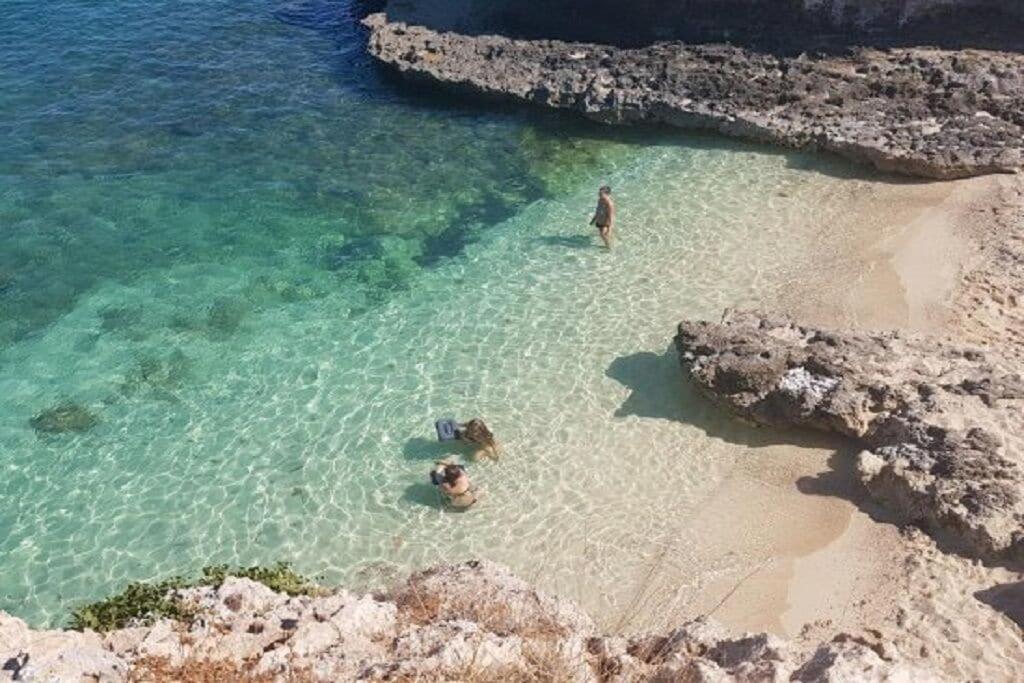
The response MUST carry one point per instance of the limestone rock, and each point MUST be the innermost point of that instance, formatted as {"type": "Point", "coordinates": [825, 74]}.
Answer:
{"type": "Point", "coordinates": [28, 655]}
{"type": "Point", "coordinates": [472, 621]}
{"type": "Point", "coordinates": [920, 112]}
{"type": "Point", "coordinates": [840, 661]}
{"type": "Point", "coordinates": [940, 423]}
{"type": "Point", "coordinates": [489, 594]}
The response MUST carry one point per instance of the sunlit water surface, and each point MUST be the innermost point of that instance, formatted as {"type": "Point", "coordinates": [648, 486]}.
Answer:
{"type": "Point", "coordinates": [265, 269]}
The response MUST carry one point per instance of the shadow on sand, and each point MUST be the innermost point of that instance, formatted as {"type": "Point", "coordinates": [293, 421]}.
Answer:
{"type": "Point", "coordinates": [658, 390]}
{"type": "Point", "coordinates": [423, 494]}
{"type": "Point", "coordinates": [567, 241]}
{"type": "Point", "coordinates": [1007, 598]}
{"type": "Point", "coordinates": [419, 448]}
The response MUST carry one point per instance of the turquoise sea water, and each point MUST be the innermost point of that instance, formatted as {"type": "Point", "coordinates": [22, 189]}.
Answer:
{"type": "Point", "coordinates": [265, 268]}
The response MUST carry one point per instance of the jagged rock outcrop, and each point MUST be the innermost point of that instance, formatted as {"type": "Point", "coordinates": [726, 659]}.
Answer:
{"type": "Point", "coordinates": [941, 424]}
{"type": "Point", "coordinates": [473, 621]}
{"type": "Point", "coordinates": [920, 112]}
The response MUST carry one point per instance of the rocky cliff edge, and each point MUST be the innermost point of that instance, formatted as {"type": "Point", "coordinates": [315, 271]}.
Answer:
{"type": "Point", "coordinates": [473, 621]}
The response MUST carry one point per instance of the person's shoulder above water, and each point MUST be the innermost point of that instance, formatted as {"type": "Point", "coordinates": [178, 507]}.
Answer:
{"type": "Point", "coordinates": [477, 433]}
{"type": "Point", "coordinates": [453, 481]}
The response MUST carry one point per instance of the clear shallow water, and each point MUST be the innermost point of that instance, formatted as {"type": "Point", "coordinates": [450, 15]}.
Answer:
{"type": "Point", "coordinates": [267, 270]}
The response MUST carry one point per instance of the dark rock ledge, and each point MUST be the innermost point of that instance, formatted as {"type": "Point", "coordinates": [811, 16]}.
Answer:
{"type": "Point", "coordinates": [941, 424]}
{"type": "Point", "coordinates": [915, 111]}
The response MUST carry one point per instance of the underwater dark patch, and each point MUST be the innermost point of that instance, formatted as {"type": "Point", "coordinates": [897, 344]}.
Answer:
{"type": "Point", "coordinates": [316, 15]}
{"type": "Point", "coordinates": [470, 220]}
{"type": "Point", "coordinates": [336, 257]}
{"type": "Point", "coordinates": [64, 417]}
{"type": "Point", "coordinates": [225, 315]}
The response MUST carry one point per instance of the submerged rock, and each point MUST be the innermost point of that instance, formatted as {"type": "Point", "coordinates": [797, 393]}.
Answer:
{"type": "Point", "coordinates": [158, 373]}
{"type": "Point", "coordinates": [66, 417]}
{"type": "Point", "coordinates": [120, 318]}
{"type": "Point", "coordinates": [935, 419]}
{"type": "Point", "coordinates": [7, 280]}
{"type": "Point", "coordinates": [916, 111]}
{"type": "Point", "coordinates": [225, 315]}
{"type": "Point", "coordinates": [378, 264]}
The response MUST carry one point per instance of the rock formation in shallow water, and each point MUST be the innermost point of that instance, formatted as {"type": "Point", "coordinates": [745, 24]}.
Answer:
{"type": "Point", "coordinates": [941, 424]}
{"type": "Point", "coordinates": [62, 418]}
{"type": "Point", "coordinates": [920, 112]}
{"type": "Point", "coordinates": [473, 621]}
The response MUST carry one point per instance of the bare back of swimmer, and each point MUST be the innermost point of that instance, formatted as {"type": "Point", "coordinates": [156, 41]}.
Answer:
{"type": "Point", "coordinates": [453, 482]}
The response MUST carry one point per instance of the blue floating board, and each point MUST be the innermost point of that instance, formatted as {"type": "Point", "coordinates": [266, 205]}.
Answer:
{"type": "Point", "coordinates": [447, 429]}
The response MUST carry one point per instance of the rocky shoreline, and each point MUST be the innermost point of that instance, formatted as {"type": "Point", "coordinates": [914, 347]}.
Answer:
{"type": "Point", "coordinates": [939, 423]}
{"type": "Point", "coordinates": [936, 424]}
{"type": "Point", "coordinates": [915, 111]}
{"type": "Point", "coordinates": [473, 621]}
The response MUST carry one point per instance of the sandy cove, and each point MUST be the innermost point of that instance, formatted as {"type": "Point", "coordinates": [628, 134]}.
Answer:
{"type": "Point", "coordinates": [845, 587]}
{"type": "Point", "coordinates": [851, 583]}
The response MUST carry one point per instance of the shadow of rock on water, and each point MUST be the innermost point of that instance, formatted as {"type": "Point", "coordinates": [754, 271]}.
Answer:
{"type": "Point", "coordinates": [656, 384]}
{"type": "Point", "coordinates": [1007, 598]}
{"type": "Point", "coordinates": [660, 391]}
{"type": "Point", "coordinates": [422, 494]}
{"type": "Point", "coordinates": [783, 27]}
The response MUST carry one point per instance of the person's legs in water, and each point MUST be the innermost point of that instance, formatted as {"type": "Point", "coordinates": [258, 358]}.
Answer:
{"type": "Point", "coordinates": [606, 235]}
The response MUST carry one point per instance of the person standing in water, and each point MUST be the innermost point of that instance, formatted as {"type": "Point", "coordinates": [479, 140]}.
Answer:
{"type": "Point", "coordinates": [604, 215]}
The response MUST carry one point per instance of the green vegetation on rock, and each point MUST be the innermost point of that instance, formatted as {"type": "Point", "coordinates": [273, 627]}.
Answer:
{"type": "Point", "coordinates": [142, 602]}
{"type": "Point", "coordinates": [138, 603]}
{"type": "Point", "coordinates": [279, 577]}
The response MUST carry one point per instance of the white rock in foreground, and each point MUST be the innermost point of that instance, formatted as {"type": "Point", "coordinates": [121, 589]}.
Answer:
{"type": "Point", "coordinates": [454, 622]}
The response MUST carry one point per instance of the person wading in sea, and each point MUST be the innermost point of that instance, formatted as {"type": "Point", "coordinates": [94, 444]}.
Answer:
{"type": "Point", "coordinates": [604, 215]}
